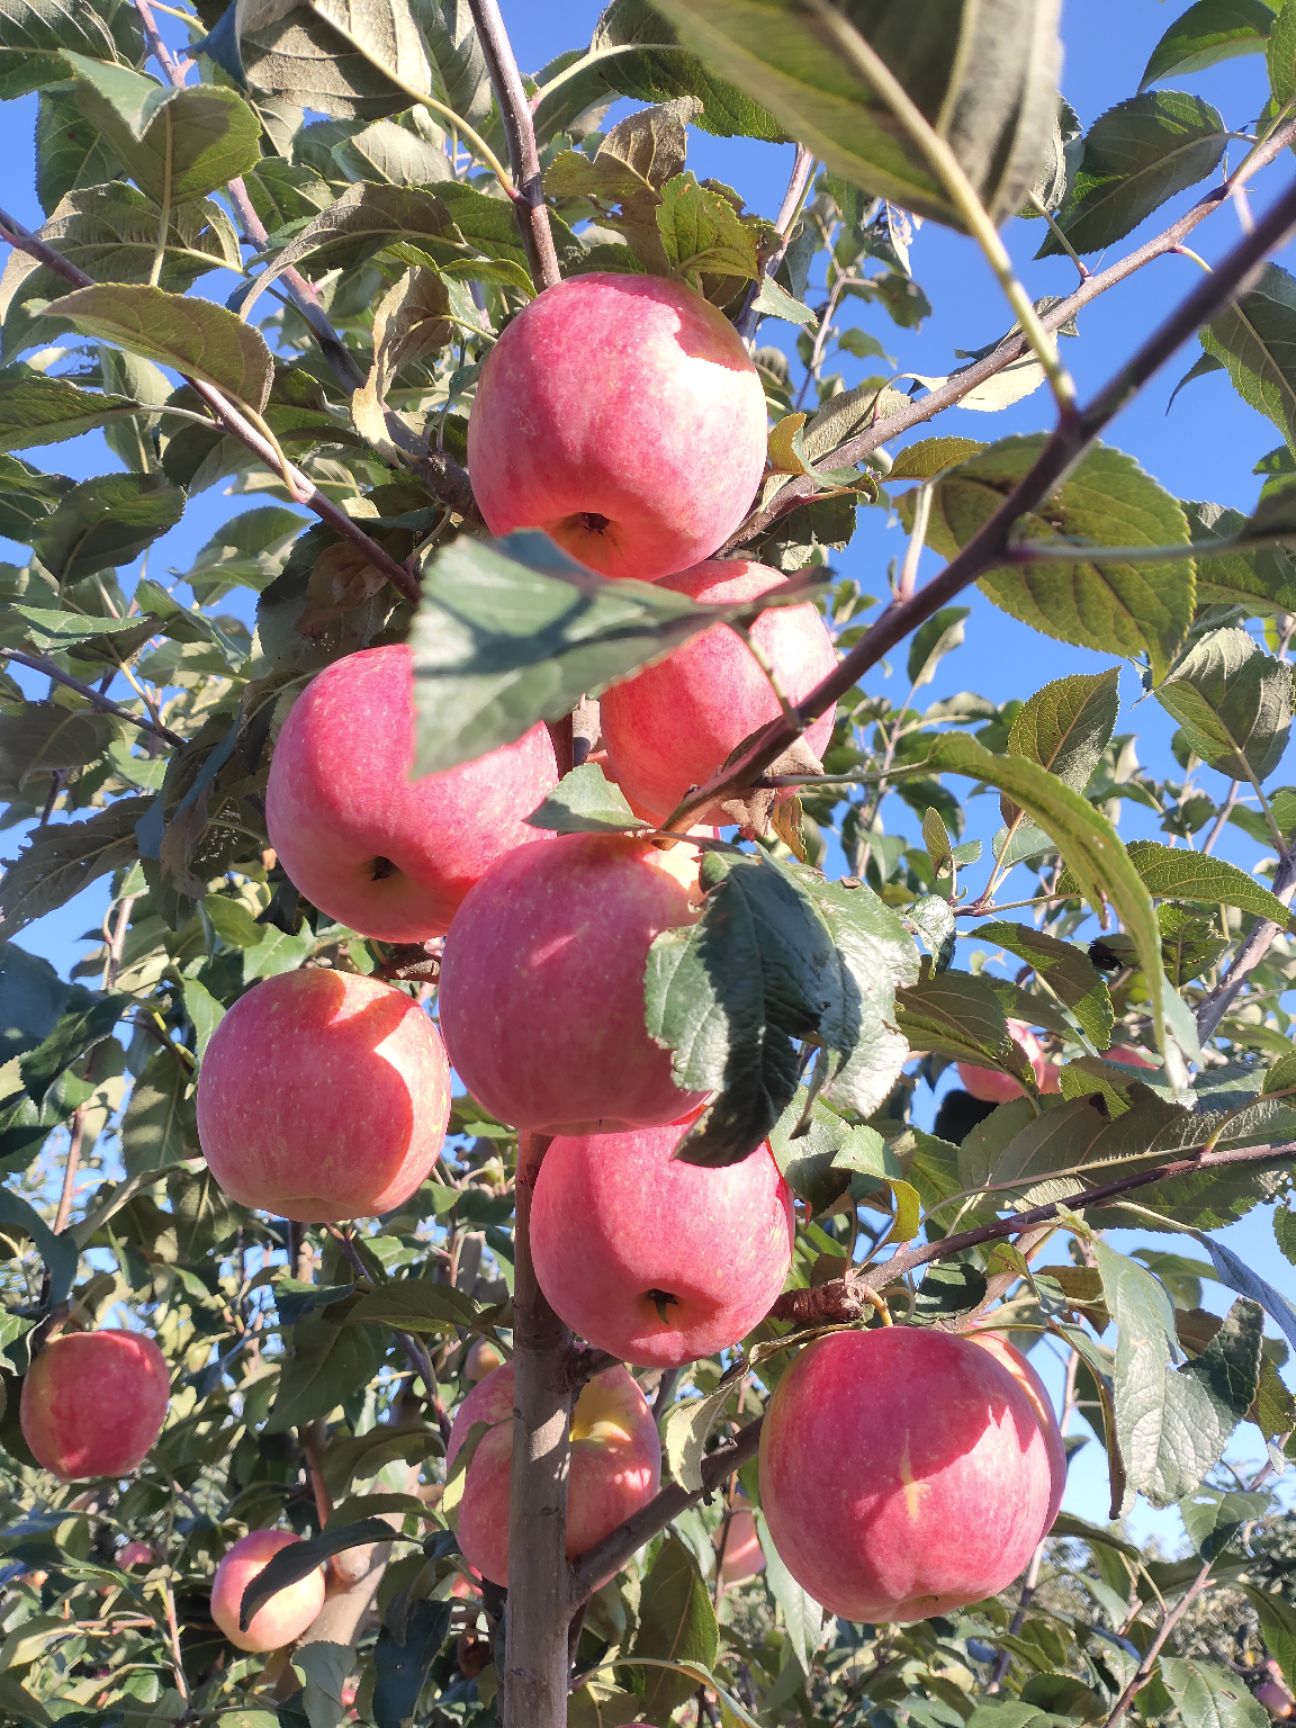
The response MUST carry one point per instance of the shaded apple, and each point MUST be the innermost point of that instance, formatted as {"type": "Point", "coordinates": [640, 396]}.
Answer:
{"type": "Point", "coordinates": [1274, 1695]}
{"type": "Point", "coordinates": [624, 417]}
{"type": "Point", "coordinates": [615, 1465]}
{"type": "Point", "coordinates": [93, 1403]}
{"type": "Point", "coordinates": [390, 856]}
{"type": "Point", "coordinates": [739, 1554]}
{"type": "Point", "coordinates": [652, 1259]}
{"type": "Point", "coordinates": [673, 724]}
{"type": "Point", "coordinates": [323, 1096]}
{"type": "Point", "coordinates": [285, 1616]}
{"type": "Point", "coordinates": [542, 984]}
{"type": "Point", "coordinates": [483, 1357]}
{"type": "Point", "coordinates": [992, 1086]}
{"type": "Point", "coordinates": [1130, 1056]}
{"type": "Point", "coordinates": [1019, 1366]}
{"type": "Point", "coordinates": [903, 1473]}
{"type": "Point", "coordinates": [136, 1554]}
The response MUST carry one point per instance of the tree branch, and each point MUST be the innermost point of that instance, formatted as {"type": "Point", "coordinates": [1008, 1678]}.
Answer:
{"type": "Point", "coordinates": [524, 156]}
{"type": "Point", "coordinates": [235, 423]}
{"type": "Point", "coordinates": [803, 164]}
{"type": "Point", "coordinates": [96, 698]}
{"type": "Point", "coordinates": [1212, 1008]}
{"type": "Point", "coordinates": [1066, 445]}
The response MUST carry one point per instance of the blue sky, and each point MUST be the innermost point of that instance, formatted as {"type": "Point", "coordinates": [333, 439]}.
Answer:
{"type": "Point", "coordinates": [1205, 448]}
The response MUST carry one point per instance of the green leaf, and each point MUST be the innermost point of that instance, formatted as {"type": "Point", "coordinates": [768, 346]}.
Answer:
{"type": "Point", "coordinates": [104, 523]}
{"type": "Point", "coordinates": [36, 409]}
{"type": "Point", "coordinates": [1135, 156]}
{"type": "Point", "coordinates": [703, 235]}
{"type": "Point", "coordinates": [685, 1433]}
{"type": "Point", "coordinates": [63, 858]}
{"type": "Point", "coordinates": [1234, 703]}
{"type": "Point", "coordinates": [1255, 338]}
{"type": "Point", "coordinates": [34, 34]}
{"type": "Point", "coordinates": [1238, 1276]}
{"type": "Point", "coordinates": [804, 1621]}
{"type": "Point", "coordinates": [407, 1646]}
{"type": "Point", "coordinates": [1174, 873]}
{"type": "Point", "coordinates": [307, 1555]}
{"type": "Point", "coordinates": [1284, 1223]}
{"type": "Point", "coordinates": [42, 738]}
{"type": "Point", "coordinates": [1088, 843]}
{"type": "Point", "coordinates": [585, 802]}
{"type": "Point", "coordinates": [778, 955]}
{"type": "Point", "coordinates": [329, 1365]}
{"type": "Point", "coordinates": [958, 1015]}
{"type": "Point", "coordinates": [58, 1252]}
{"type": "Point", "coordinates": [934, 638]}
{"type": "Point", "coordinates": [88, 1018]}
{"type": "Point", "coordinates": [415, 1305]}
{"type": "Point", "coordinates": [1262, 578]}
{"type": "Point", "coordinates": [1208, 32]}
{"type": "Point", "coordinates": [176, 144]}
{"type": "Point", "coordinates": [1064, 969]}
{"type": "Point", "coordinates": [159, 1126]}
{"type": "Point", "coordinates": [1213, 1518]}
{"type": "Point", "coordinates": [511, 632]}
{"type": "Point", "coordinates": [1116, 607]}
{"type": "Point", "coordinates": [635, 53]}
{"type": "Point", "coordinates": [994, 110]}
{"type": "Point", "coordinates": [1065, 727]}
{"type": "Point", "coordinates": [195, 336]}
{"type": "Point", "coordinates": [69, 149]}
{"type": "Point", "coordinates": [204, 1011]}
{"type": "Point", "coordinates": [1209, 1696]}
{"type": "Point", "coordinates": [32, 996]}
{"type": "Point", "coordinates": [1277, 1626]}
{"type": "Point", "coordinates": [1282, 57]}
{"type": "Point", "coordinates": [677, 1624]}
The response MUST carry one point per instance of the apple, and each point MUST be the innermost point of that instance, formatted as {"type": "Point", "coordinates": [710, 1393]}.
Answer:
{"type": "Point", "coordinates": [1276, 1699]}
{"type": "Point", "coordinates": [615, 1465]}
{"type": "Point", "coordinates": [739, 1553]}
{"type": "Point", "coordinates": [483, 1358]}
{"type": "Point", "coordinates": [136, 1554]}
{"type": "Point", "coordinates": [654, 1260]}
{"type": "Point", "coordinates": [903, 1473]}
{"type": "Point", "coordinates": [673, 724]}
{"type": "Point", "coordinates": [285, 1616]}
{"type": "Point", "coordinates": [323, 1096]}
{"type": "Point", "coordinates": [93, 1403]}
{"type": "Point", "coordinates": [389, 856]}
{"type": "Point", "coordinates": [542, 984]}
{"type": "Point", "coordinates": [1130, 1056]}
{"type": "Point", "coordinates": [993, 1087]}
{"type": "Point", "coordinates": [1020, 1368]}
{"type": "Point", "coordinates": [623, 416]}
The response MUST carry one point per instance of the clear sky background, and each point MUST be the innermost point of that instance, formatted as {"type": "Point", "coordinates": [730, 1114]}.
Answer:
{"type": "Point", "coordinates": [1205, 448]}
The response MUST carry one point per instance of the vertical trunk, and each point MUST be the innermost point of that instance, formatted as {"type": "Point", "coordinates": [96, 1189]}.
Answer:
{"type": "Point", "coordinates": [534, 1681]}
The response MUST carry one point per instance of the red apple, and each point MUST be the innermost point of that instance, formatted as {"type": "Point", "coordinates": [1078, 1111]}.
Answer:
{"type": "Point", "coordinates": [94, 1402]}
{"type": "Point", "coordinates": [1130, 1056]}
{"type": "Point", "coordinates": [992, 1086]}
{"type": "Point", "coordinates": [738, 1551]}
{"type": "Point", "coordinates": [1020, 1368]}
{"type": "Point", "coordinates": [903, 1473]}
{"type": "Point", "coordinates": [280, 1620]}
{"type": "Point", "coordinates": [390, 856]}
{"type": "Point", "coordinates": [672, 725]}
{"type": "Point", "coordinates": [615, 1465]}
{"type": "Point", "coordinates": [323, 1096]}
{"type": "Point", "coordinates": [483, 1358]}
{"type": "Point", "coordinates": [542, 984]}
{"type": "Point", "coordinates": [654, 1260]}
{"type": "Point", "coordinates": [136, 1554]}
{"type": "Point", "coordinates": [623, 416]}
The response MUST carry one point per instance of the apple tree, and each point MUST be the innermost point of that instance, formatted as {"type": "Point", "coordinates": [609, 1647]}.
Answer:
{"type": "Point", "coordinates": [596, 1164]}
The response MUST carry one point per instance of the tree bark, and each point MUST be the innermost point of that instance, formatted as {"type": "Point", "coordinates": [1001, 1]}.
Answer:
{"type": "Point", "coordinates": [534, 1681]}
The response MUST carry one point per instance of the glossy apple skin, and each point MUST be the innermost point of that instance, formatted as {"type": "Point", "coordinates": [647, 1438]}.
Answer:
{"type": "Point", "coordinates": [623, 417]}
{"type": "Point", "coordinates": [286, 1615]}
{"type": "Point", "coordinates": [903, 1473]}
{"type": "Point", "coordinates": [615, 1465]}
{"type": "Point", "coordinates": [553, 938]}
{"type": "Point", "coordinates": [616, 1218]}
{"type": "Point", "coordinates": [993, 1087]}
{"type": "Point", "coordinates": [672, 725]}
{"type": "Point", "coordinates": [1019, 1366]}
{"type": "Point", "coordinates": [93, 1403]}
{"type": "Point", "coordinates": [739, 1553]}
{"type": "Point", "coordinates": [323, 1096]}
{"type": "Point", "coordinates": [389, 856]}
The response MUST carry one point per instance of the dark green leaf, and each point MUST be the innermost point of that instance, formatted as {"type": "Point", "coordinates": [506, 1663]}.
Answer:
{"type": "Point", "coordinates": [159, 1127]}
{"type": "Point", "coordinates": [403, 1658]}
{"type": "Point", "coordinates": [415, 1305]}
{"type": "Point", "coordinates": [37, 409]}
{"type": "Point", "coordinates": [1255, 337]}
{"type": "Point", "coordinates": [305, 1556]}
{"type": "Point", "coordinates": [1234, 703]}
{"type": "Point", "coordinates": [677, 1624]}
{"type": "Point", "coordinates": [585, 802]}
{"type": "Point", "coordinates": [1208, 32]}
{"type": "Point", "coordinates": [934, 638]}
{"type": "Point", "coordinates": [329, 1364]}
{"type": "Point", "coordinates": [1238, 1276]}
{"type": "Point", "coordinates": [32, 996]}
{"type": "Point", "coordinates": [1262, 579]}
{"type": "Point", "coordinates": [43, 738]}
{"type": "Point", "coordinates": [1064, 969]}
{"type": "Point", "coordinates": [58, 1252]}
{"type": "Point", "coordinates": [32, 33]}
{"type": "Point", "coordinates": [1282, 57]}
{"type": "Point", "coordinates": [1277, 1626]}
{"type": "Point", "coordinates": [1175, 873]}
{"type": "Point", "coordinates": [104, 523]}
{"type": "Point", "coordinates": [1213, 1518]}
{"type": "Point", "coordinates": [69, 149]}
{"type": "Point", "coordinates": [63, 857]}
{"type": "Point", "coordinates": [703, 235]}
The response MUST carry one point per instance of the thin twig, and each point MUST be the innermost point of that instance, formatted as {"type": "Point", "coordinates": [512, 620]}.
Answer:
{"type": "Point", "coordinates": [1066, 445]}
{"type": "Point", "coordinates": [96, 698]}
{"type": "Point", "coordinates": [1212, 1008]}
{"type": "Point", "coordinates": [524, 156]}
{"type": "Point", "coordinates": [803, 165]}
{"type": "Point", "coordinates": [70, 1168]}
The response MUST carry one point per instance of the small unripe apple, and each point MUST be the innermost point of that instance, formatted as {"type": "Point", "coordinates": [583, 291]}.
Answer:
{"type": "Point", "coordinates": [654, 1260]}
{"type": "Point", "coordinates": [615, 1465]}
{"type": "Point", "coordinates": [674, 724]}
{"type": "Point", "coordinates": [390, 856]}
{"type": "Point", "coordinates": [280, 1620]}
{"type": "Point", "coordinates": [992, 1086]}
{"type": "Point", "coordinates": [483, 1358]}
{"type": "Point", "coordinates": [623, 416]}
{"type": "Point", "coordinates": [739, 1553]}
{"type": "Point", "coordinates": [903, 1473]}
{"type": "Point", "coordinates": [542, 984]}
{"type": "Point", "coordinates": [94, 1402]}
{"type": "Point", "coordinates": [136, 1554]}
{"type": "Point", "coordinates": [323, 1096]}
{"type": "Point", "coordinates": [1019, 1366]}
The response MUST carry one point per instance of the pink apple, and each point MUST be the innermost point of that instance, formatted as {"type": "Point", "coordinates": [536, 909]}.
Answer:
{"type": "Point", "coordinates": [136, 1554]}
{"type": "Point", "coordinates": [483, 1358]}
{"type": "Point", "coordinates": [992, 1086]}
{"type": "Point", "coordinates": [390, 856]}
{"type": "Point", "coordinates": [654, 1260]}
{"type": "Point", "coordinates": [738, 1550]}
{"type": "Point", "coordinates": [1130, 1056]}
{"type": "Point", "coordinates": [1276, 1699]}
{"type": "Point", "coordinates": [623, 416]}
{"type": "Point", "coordinates": [903, 1473]}
{"type": "Point", "coordinates": [93, 1403]}
{"type": "Point", "coordinates": [542, 984]}
{"type": "Point", "coordinates": [615, 1465]}
{"type": "Point", "coordinates": [1019, 1366]}
{"type": "Point", "coordinates": [280, 1620]}
{"type": "Point", "coordinates": [672, 725]}
{"type": "Point", "coordinates": [323, 1096]}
